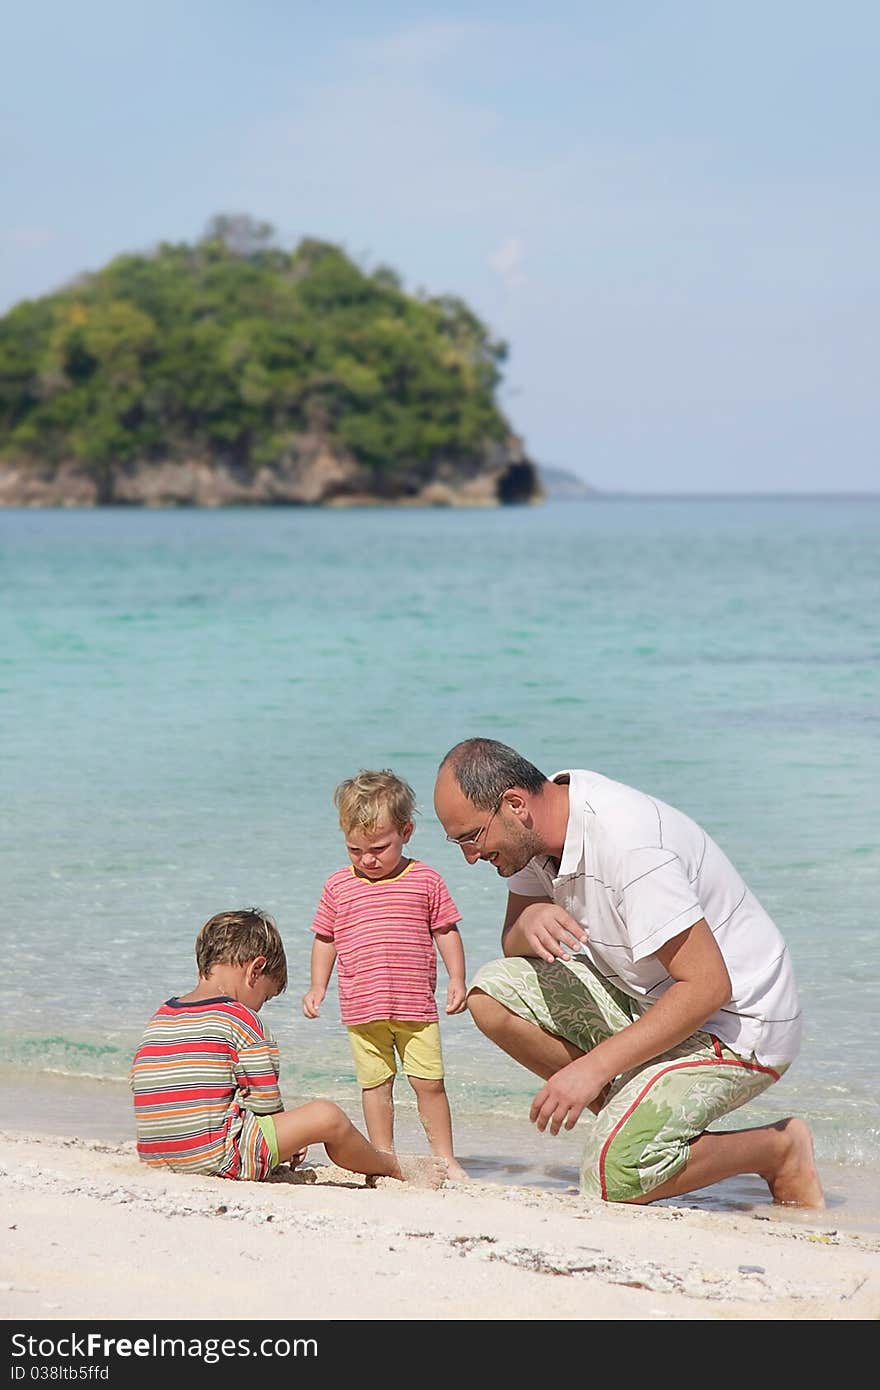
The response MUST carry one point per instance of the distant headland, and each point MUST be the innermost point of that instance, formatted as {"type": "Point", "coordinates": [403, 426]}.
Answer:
{"type": "Point", "coordinates": [233, 372]}
{"type": "Point", "coordinates": [559, 482]}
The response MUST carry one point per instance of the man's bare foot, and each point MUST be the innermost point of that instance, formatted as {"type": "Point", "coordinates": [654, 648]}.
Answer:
{"type": "Point", "coordinates": [795, 1183]}
{"type": "Point", "coordinates": [422, 1171]}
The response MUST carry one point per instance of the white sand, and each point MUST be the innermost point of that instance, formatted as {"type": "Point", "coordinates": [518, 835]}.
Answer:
{"type": "Point", "coordinates": [89, 1232]}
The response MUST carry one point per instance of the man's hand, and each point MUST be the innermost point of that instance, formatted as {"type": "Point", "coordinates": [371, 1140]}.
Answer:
{"type": "Point", "coordinates": [456, 994]}
{"type": "Point", "coordinates": [562, 1099]}
{"type": "Point", "coordinates": [312, 1001]}
{"type": "Point", "coordinates": [548, 932]}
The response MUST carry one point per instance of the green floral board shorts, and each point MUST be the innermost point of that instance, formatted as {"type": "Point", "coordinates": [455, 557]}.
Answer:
{"type": "Point", "coordinates": [641, 1136]}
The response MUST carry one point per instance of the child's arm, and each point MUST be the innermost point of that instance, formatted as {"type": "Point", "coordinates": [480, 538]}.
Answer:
{"type": "Point", "coordinates": [450, 946]}
{"type": "Point", "coordinates": [256, 1068]}
{"type": "Point", "coordinates": [323, 961]}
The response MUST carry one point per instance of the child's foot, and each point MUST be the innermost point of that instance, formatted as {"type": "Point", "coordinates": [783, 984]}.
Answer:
{"type": "Point", "coordinates": [455, 1172]}
{"type": "Point", "coordinates": [421, 1171]}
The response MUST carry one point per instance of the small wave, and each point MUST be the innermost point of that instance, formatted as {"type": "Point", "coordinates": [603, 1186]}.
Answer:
{"type": "Point", "coordinates": [87, 1048]}
{"type": "Point", "coordinates": [84, 1075]}
{"type": "Point", "coordinates": [57, 1055]}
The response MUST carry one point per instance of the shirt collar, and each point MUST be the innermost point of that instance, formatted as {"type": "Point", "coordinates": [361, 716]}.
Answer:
{"type": "Point", "coordinates": [573, 849]}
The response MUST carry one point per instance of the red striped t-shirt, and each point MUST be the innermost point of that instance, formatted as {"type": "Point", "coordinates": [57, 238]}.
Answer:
{"type": "Point", "coordinates": [201, 1073]}
{"type": "Point", "coordinates": [386, 963]}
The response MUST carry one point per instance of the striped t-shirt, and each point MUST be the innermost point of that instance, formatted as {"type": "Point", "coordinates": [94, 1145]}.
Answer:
{"type": "Point", "coordinates": [202, 1073]}
{"type": "Point", "coordinates": [386, 963]}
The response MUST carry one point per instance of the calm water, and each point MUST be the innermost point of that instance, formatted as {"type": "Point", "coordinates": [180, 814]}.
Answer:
{"type": "Point", "coordinates": [180, 692]}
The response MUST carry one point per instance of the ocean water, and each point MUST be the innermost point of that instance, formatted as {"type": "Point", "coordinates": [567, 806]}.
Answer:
{"type": "Point", "coordinates": [181, 691]}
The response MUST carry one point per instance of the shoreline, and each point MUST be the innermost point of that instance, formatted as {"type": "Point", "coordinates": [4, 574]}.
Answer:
{"type": "Point", "coordinates": [495, 1150]}
{"type": "Point", "coordinates": [93, 1233]}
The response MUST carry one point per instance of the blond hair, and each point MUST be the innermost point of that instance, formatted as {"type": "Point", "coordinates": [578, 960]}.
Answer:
{"type": "Point", "coordinates": [365, 800]}
{"type": "Point", "coordinates": [235, 938]}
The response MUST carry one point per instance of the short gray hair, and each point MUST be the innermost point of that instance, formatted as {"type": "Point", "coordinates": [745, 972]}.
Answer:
{"type": "Point", "coordinates": [485, 769]}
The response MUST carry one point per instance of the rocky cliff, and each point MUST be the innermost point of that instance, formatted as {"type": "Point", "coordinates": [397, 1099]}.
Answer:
{"type": "Point", "coordinates": [313, 473]}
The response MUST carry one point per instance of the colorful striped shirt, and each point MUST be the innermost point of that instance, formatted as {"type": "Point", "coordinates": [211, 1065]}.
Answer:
{"type": "Point", "coordinates": [201, 1075]}
{"type": "Point", "coordinates": [383, 933]}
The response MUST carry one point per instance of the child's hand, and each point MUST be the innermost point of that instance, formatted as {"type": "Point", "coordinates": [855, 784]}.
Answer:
{"type": "Point", "coordinates": [456, 994]}
{"type": "Point", "coordinates": [312, 1002]}
{"type": "Point", "coordinates": [296, 1160]}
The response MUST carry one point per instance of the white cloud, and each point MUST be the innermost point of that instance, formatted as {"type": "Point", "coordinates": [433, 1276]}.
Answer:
{"type": "Point", "coordinates": [507, 261]}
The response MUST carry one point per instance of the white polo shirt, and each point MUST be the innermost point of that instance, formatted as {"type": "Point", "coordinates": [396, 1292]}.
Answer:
{"type": "Point", "coordinates": [636, 873]}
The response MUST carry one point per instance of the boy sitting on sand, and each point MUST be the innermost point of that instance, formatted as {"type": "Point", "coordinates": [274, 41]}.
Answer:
{"type": "Point", "coordinates": [384, 918]}
{"type": "Point", "coordinates": [205, 1077]}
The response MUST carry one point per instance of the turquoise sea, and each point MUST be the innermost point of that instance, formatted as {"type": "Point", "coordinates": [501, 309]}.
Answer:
{"type": "Point", "coordinates": [180, 692]}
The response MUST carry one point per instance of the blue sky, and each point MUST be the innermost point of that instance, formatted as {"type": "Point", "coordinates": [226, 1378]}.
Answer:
{"type": "Point", "coordinates": [668, 210]}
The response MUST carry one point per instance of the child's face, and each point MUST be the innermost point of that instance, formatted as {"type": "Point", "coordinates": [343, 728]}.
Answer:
{"type": "Point", "coordinates": [377, 853]}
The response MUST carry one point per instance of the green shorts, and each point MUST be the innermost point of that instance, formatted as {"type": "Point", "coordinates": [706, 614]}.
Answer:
{"type": "Point", "coordinates": [267, 1127]}
{"type": "Point", "coordinates": [641, 1136]}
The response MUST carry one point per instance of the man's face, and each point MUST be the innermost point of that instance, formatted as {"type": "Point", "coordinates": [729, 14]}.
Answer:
{"type": "Point", "coordinates": [498, 836]}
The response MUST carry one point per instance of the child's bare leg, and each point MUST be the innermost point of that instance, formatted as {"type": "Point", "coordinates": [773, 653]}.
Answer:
{"type": "Point", "coordinates": [436, 1121]}
{"type": "Point", "coordinates": [378, 1106]}
{"type": "Point", "coordinates": [322, 1122]}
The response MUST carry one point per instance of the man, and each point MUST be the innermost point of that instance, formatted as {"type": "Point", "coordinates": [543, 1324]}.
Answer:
{"type": "Point", "coordinates": [641, 978]}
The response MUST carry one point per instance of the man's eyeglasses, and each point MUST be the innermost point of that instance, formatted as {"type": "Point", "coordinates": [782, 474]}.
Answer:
{"type": "Point", "coordinates": [473, 838]}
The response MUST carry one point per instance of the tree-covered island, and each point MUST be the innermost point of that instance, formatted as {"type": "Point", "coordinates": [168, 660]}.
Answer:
{"type": "Point", "coordinates": [232, 371]}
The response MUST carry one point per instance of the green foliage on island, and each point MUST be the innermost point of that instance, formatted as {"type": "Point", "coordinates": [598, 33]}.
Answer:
{"type": "Point", "coordinates": [232, 348]}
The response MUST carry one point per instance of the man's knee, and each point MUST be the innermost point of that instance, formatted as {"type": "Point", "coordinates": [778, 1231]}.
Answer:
{"type": "Point", "coordinates": [486, 1012]}
{"type": "Point", "coordinates": [629, 1164]}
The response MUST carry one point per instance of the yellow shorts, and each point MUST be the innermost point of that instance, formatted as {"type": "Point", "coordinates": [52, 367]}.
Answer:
{"type": "Point", "coordinates": [373, 1046]}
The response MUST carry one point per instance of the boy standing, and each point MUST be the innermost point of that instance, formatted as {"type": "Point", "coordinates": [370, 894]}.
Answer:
{"type": "Point", "coordinates": [380, 918]}
{"type": "Point", "coordinates": [205, 1077]}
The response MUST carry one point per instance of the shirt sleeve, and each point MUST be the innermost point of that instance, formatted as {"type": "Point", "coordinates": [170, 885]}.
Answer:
{"type": "Point", "coordinates": [324, 920]}
{"type": "Point", "coordinates": [257, 1068]}
{"type": "Point", "coordinates": [658, 902]}
{"type": "Point", "coordinates": [442, 911]}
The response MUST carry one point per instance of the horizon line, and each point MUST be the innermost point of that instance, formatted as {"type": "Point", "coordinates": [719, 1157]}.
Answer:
{"type": "Point", "coordinates": [594, 492]}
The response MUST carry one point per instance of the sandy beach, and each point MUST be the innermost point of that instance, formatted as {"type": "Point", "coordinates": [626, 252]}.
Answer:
{"type": "Point", "coordinates": [90, 1233]}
